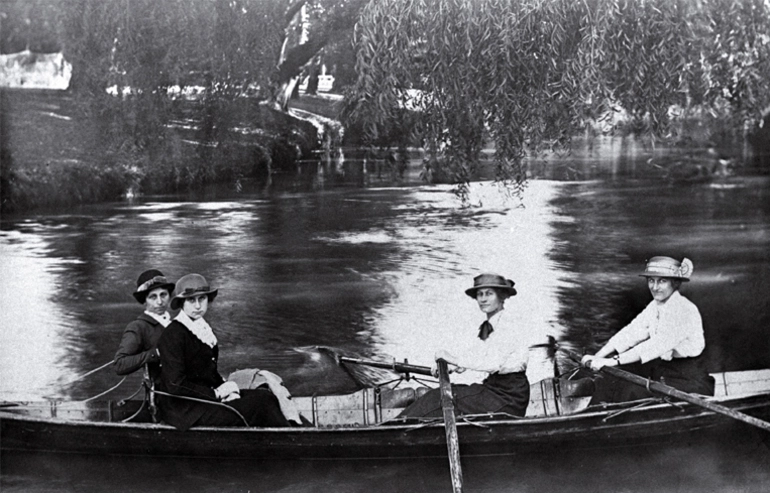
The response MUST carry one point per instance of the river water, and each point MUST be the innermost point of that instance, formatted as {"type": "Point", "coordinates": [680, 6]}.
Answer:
{"type": "Point", "coordinates": [380, 271]}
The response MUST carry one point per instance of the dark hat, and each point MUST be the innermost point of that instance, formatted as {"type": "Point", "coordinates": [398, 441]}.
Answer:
{"type": "Point", "coordinates": [668, 267]}
{"type": "Point", "coordinates": [491, 281]}
{"type": "Point", "coordinates": [149, 280]}
{"type": "Point", "coordinates": [189, 286]}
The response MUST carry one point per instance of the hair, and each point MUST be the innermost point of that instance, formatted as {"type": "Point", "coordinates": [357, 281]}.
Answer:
{"type": "Point", "coordinates": [675, 281]}
{"type": "Point", "coordinates": [178, 303]}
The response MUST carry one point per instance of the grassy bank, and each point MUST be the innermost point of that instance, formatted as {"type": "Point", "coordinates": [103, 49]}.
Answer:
{"type": "Point", "coordinates": [56, 155]}
{"type": "Point", "coordinates": [45, 154]}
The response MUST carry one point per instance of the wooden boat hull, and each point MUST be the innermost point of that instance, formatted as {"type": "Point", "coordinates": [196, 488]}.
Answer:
{"type": "Point", "coordinates": [651, 424]}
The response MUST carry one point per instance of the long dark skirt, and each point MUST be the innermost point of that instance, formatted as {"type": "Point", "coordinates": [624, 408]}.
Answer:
{"type": "Point", "coordinates": [507, 393]}
{"type": "Point", "coordinates": [258, 406]}
{"type": "Point", "coordinates": [685, 374]}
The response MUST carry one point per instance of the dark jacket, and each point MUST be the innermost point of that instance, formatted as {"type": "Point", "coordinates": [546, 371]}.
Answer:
{"type": "Point", "coordinates": [137, 346]}
{"type": "Point", "coordinates": [188, 368]}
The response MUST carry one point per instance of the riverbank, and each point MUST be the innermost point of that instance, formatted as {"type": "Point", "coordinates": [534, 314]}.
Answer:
{"type": "Point", "coordinates": [53, 155]}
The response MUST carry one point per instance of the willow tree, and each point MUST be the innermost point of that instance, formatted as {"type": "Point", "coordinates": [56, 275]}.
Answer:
{"type": "Point", "coordinates": [530, 74]}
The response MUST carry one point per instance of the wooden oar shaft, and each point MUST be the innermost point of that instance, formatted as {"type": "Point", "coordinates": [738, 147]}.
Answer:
{"type": "Point", "coordinates": [664, 389]}
{"type": "Point", "coordinates": [398, 367]}
{"type": "Point", "coordinates": [661, 388]}
{"type": "Point", "coordinates": [450, 426]}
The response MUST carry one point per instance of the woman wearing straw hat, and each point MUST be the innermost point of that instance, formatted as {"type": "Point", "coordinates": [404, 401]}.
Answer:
{"type": "Point", "coordinates": [189, 353]}
{"type": "Point", "coordinates": [140, 339]}
{"type": "Point", "coordinates": [663, 342]}
{"type": "Point", "coordinates": [499, 349]}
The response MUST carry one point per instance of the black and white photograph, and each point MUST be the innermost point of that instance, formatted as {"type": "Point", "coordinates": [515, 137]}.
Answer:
{"type": "Point", "coordinates": [385, 246]}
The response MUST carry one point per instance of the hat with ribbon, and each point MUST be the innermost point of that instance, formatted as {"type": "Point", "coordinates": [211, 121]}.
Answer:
{"type": "Point", "coordinates": [189, 286]}
{"type": "Point", "coordinates": [149, 280]}
{"type": "Point", "coordinates": [491, 281]}
{"type": "Point", "coordinates": [668, 267]}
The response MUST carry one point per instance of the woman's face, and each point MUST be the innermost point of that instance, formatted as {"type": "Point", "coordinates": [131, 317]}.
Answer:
{"type": "Point", "coordinates": [489, 301]}
{"type": "Point", "coordinates": [661, 287]}
{"type": "Point", "coordinates": [196, 306]}
{"type": "Point", "coordinates": [157, 301]}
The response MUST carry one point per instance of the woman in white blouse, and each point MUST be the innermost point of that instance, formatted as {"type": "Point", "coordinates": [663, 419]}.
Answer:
{"type": "Point", "coordinates": [662, 343]}
{"type": "Point", "coordinates": [499, 349]}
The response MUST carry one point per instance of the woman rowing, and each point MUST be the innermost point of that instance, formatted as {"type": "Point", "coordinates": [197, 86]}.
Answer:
{"type": "Point", "coordinates": [499, 349]}
{"type": "Point", "coordinates": [664, 342]}
{"type": "Point", "coordinates": [189, 352]}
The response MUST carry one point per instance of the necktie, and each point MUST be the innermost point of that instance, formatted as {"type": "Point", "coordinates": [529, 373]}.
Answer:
{"type": "Point", "coordinates": [485, 329]}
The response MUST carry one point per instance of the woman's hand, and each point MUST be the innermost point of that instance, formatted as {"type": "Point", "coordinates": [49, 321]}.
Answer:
{"type": "Point", "coordinates": [228, 391]}
{"type": "Point", "coordinates": [599, 363]}
{"type": "Point", "coordinates": [445, 355]}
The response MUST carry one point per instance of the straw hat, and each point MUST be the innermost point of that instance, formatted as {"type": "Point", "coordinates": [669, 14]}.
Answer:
{"type": "Point", "coordinates": [668, 267]}
{"type": "Point", "coordinates": [491, 281]}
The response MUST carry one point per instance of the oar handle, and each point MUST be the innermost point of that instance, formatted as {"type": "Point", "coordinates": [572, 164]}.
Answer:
{"type": "Point", "coordinates": [394, 366]}
{"type": "Point", "coordinates": [661, 388]}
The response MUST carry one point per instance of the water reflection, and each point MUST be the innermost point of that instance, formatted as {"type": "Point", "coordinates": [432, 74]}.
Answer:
{"type": "Point", "coordinates": [29, 290]}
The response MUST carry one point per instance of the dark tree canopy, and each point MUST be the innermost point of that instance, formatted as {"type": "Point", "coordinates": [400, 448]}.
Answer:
{"type": "Point", "coordinates": [452, 75]}
{"type": "Point", "coordinates": [533, 73]}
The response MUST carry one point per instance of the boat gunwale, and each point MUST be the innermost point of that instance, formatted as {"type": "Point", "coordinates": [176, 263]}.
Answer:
{"type": "Point", "coordinates": [407, 427]}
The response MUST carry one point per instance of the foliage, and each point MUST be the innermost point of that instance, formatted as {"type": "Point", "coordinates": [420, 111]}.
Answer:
{"type": "Point", "coordinates": [529, 74]}
{"type": "Point", "coordinates": [28, 25]}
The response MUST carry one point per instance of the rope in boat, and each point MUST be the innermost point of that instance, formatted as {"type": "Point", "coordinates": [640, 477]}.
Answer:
{"type": "Point", "coordinates": [90, 372]}
{"type": "Point", "coordinates": [136, 413]}
{"type": "Point", "coordinates": [159, 392]}
{"type": "Point", "coordinates": [107, 391]}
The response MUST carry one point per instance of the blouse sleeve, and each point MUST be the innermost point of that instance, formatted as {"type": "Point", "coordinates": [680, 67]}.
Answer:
{"type": "Point", "coordinates": [679, 325]}
{"type": "Point", "coordinates": [174, 372]}
{"type": "Point", "coordinates": [633, 333]}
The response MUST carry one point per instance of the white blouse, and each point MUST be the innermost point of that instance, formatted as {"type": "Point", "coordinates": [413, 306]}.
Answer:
{"type": "Point", "coordinates": [672, 329]}
{"type": "Point", "coordinates": [506, 350]}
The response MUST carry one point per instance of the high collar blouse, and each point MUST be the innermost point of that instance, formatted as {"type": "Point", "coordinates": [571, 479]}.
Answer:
{"type": "Point", "coordinates": [672, 329]}
{"type": "Point", "coordinates": [506, 350]}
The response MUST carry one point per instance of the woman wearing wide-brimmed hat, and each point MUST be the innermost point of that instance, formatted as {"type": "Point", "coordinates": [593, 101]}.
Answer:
{"type": "Point", "coordinates": [664, 342]}
{"type": "Point", "coordinates": [499, 348]}
{"type": "Point", "coordinates": [189, 352]}
{"type": "Point", "coordinates": [138, 346]}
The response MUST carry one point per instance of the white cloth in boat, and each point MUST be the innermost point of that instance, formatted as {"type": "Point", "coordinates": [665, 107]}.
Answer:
{"type": "Point", "coordinates": [672, 329]}
{"type": "Point", "coordinates": [252, 378]}
{"type": "Point", "coordinates": [164, 319]}
{"type": "Point", "coordinates": [506, 350]}
{"type": "Point", "coordinates": [200, 329]}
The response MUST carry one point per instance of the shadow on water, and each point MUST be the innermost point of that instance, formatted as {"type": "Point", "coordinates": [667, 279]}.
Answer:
{"type": "Point", "coordinates": [692, 467]}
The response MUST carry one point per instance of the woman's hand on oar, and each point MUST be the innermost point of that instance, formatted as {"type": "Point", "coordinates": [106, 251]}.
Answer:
{"type": "Point", "coordinates": [663, 389]}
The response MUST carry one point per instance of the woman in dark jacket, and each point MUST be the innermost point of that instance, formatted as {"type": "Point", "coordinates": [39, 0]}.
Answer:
{"type": "Point", "coordinates": [138, 346]}
{"type": "Point", "coordinates": [189, 353]}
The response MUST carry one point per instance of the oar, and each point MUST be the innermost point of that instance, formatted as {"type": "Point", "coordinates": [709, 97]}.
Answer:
{"type": "Point", "coordinates": [394, 366]}
{"type": "Point", "coordinates": [447, 406]}
{"type": "Point", "coordinates": [450, 426]}
{"type": "Point", "coordinates": [664, 389]}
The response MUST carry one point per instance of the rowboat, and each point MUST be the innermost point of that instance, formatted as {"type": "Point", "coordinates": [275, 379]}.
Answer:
{"type": "Point", "coordinates": [363, 424]}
